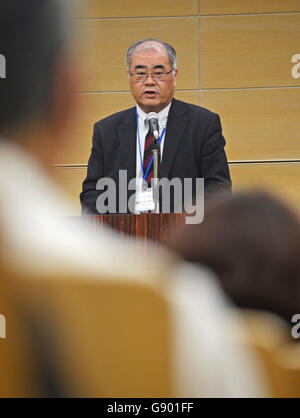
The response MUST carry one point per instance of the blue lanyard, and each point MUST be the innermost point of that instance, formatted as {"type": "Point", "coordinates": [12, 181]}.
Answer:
{"type": "Point", "coordinates": [139, 140]}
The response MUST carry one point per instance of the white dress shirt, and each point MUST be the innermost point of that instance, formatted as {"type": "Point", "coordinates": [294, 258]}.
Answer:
{"type": "Point", "coordinates": [143, 127]}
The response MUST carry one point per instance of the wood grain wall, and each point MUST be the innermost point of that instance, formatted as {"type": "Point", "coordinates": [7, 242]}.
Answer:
{"type": "Point", "coordinates": [238, 58]}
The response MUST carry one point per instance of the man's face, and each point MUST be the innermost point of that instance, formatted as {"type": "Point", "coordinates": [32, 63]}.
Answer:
{"type": "Point", "coordinates": [152, 95]}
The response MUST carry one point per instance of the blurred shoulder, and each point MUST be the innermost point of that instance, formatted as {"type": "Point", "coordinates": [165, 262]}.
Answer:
{"type": "Point", "coordinates": [193, 110]}
{"type": "Point", "coordinates": [116, 118]}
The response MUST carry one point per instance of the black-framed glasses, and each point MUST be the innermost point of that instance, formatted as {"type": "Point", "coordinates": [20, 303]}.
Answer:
{"type": "Point", "coordinates": [158, 75]}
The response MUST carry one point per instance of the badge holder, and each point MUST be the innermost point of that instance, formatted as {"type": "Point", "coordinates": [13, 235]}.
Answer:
{"type": "Point", "coordinates": [155, 176]}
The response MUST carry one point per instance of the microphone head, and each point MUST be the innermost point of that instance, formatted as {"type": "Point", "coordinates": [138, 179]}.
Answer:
{"type": "Point", "coordinates": [152, 115]}
{"type": "Point", "coordinates": [153, 123]}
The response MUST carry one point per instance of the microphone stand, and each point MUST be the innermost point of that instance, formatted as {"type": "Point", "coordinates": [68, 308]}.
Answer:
{"type": "Point", "coordinates": [155, 176]}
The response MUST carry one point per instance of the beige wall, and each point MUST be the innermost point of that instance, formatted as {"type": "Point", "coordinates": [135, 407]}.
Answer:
{"type": "Point", "coordinates": [234, 57]}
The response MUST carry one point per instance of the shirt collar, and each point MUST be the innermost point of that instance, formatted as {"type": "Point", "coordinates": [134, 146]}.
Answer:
{"type": "Point", "coordinates": [162, 115]}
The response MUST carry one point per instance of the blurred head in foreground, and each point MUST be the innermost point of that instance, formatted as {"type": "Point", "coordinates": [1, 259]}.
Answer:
{"type": "Point", "coordinates": [37, 108]}
{"type": "Point", "coordinates": [252, 242]}
{"type": "Point", "coordinates": [35, 96]}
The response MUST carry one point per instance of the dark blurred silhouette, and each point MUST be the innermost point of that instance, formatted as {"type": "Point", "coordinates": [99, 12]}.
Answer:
{"type": "Point", "coordinates": [252, 242]}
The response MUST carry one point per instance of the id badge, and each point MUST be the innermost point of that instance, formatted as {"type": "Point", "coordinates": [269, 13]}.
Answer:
{"type": "Point", "coordinates": [144, 201]}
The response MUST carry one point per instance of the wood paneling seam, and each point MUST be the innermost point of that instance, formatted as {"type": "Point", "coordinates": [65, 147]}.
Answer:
{"type": "Point", "coordinates": [134, 18]}
{"type": "Point", "coordinates": [250, 14]}
{"type": "Point", "coordinates": [252, 88]}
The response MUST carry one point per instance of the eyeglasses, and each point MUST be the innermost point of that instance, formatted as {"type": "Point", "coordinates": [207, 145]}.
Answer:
{"type": "Point", "coordinates": [139, 75]}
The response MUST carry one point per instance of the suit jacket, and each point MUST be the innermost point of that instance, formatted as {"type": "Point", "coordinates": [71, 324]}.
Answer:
{"type": "Point", "coordinates": [193, 148]}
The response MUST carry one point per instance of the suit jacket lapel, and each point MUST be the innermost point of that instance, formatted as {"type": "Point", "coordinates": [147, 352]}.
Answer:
{"type": "Point", "coordinates": [127, 140]}
{"type": "Point", "coordinates": [177, 120]}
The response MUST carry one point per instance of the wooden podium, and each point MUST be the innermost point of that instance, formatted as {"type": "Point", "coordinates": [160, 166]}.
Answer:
{"type": "Point", "coordinates": [147, 227]}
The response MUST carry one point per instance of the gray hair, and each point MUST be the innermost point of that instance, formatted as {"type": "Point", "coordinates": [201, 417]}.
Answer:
{"type": "Point", "coordinates": [170, 51]}
{"type": "Point", "coordinates": [32, 34]}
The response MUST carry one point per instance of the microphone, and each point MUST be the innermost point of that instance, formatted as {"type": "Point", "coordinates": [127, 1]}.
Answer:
{"type": "Point", "coordinates": [153, 124]}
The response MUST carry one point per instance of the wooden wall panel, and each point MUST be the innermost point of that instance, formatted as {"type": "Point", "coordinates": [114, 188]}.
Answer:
{"type": "Point", "coordinates": [93, 107]}
{"type": "Point", "coordinates": [192, 96]}
{"type": "Point", "coordinates": [102, 46]}
{"type": "Point", "coordinates": [134, 8]}
{"type": "Point", "coordinates": [70, 180]}
{"type": "Point", "coordinates": [258, 124]}
{"type": "Point", "coordinates": [248, 6]}
{"type": "Point", "coordinates": [281, 179]}
{"type": "Point", "coordinates": [248, 51]}
{"type": "Point", "coordinates": [96, 106]}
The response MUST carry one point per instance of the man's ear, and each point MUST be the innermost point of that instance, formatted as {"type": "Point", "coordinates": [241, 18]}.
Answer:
{"type": "Point", "coordinates": [175, 76]}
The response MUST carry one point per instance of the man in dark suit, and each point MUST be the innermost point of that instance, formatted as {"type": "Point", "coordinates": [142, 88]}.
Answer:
{"type": "Point", "coordinates": [191, 141]}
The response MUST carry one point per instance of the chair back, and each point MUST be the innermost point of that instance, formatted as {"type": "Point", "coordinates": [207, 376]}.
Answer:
{"type": "Point", "coordinates": [102, 338]}
{"type": "Point", "coordinates": [271, 339]}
